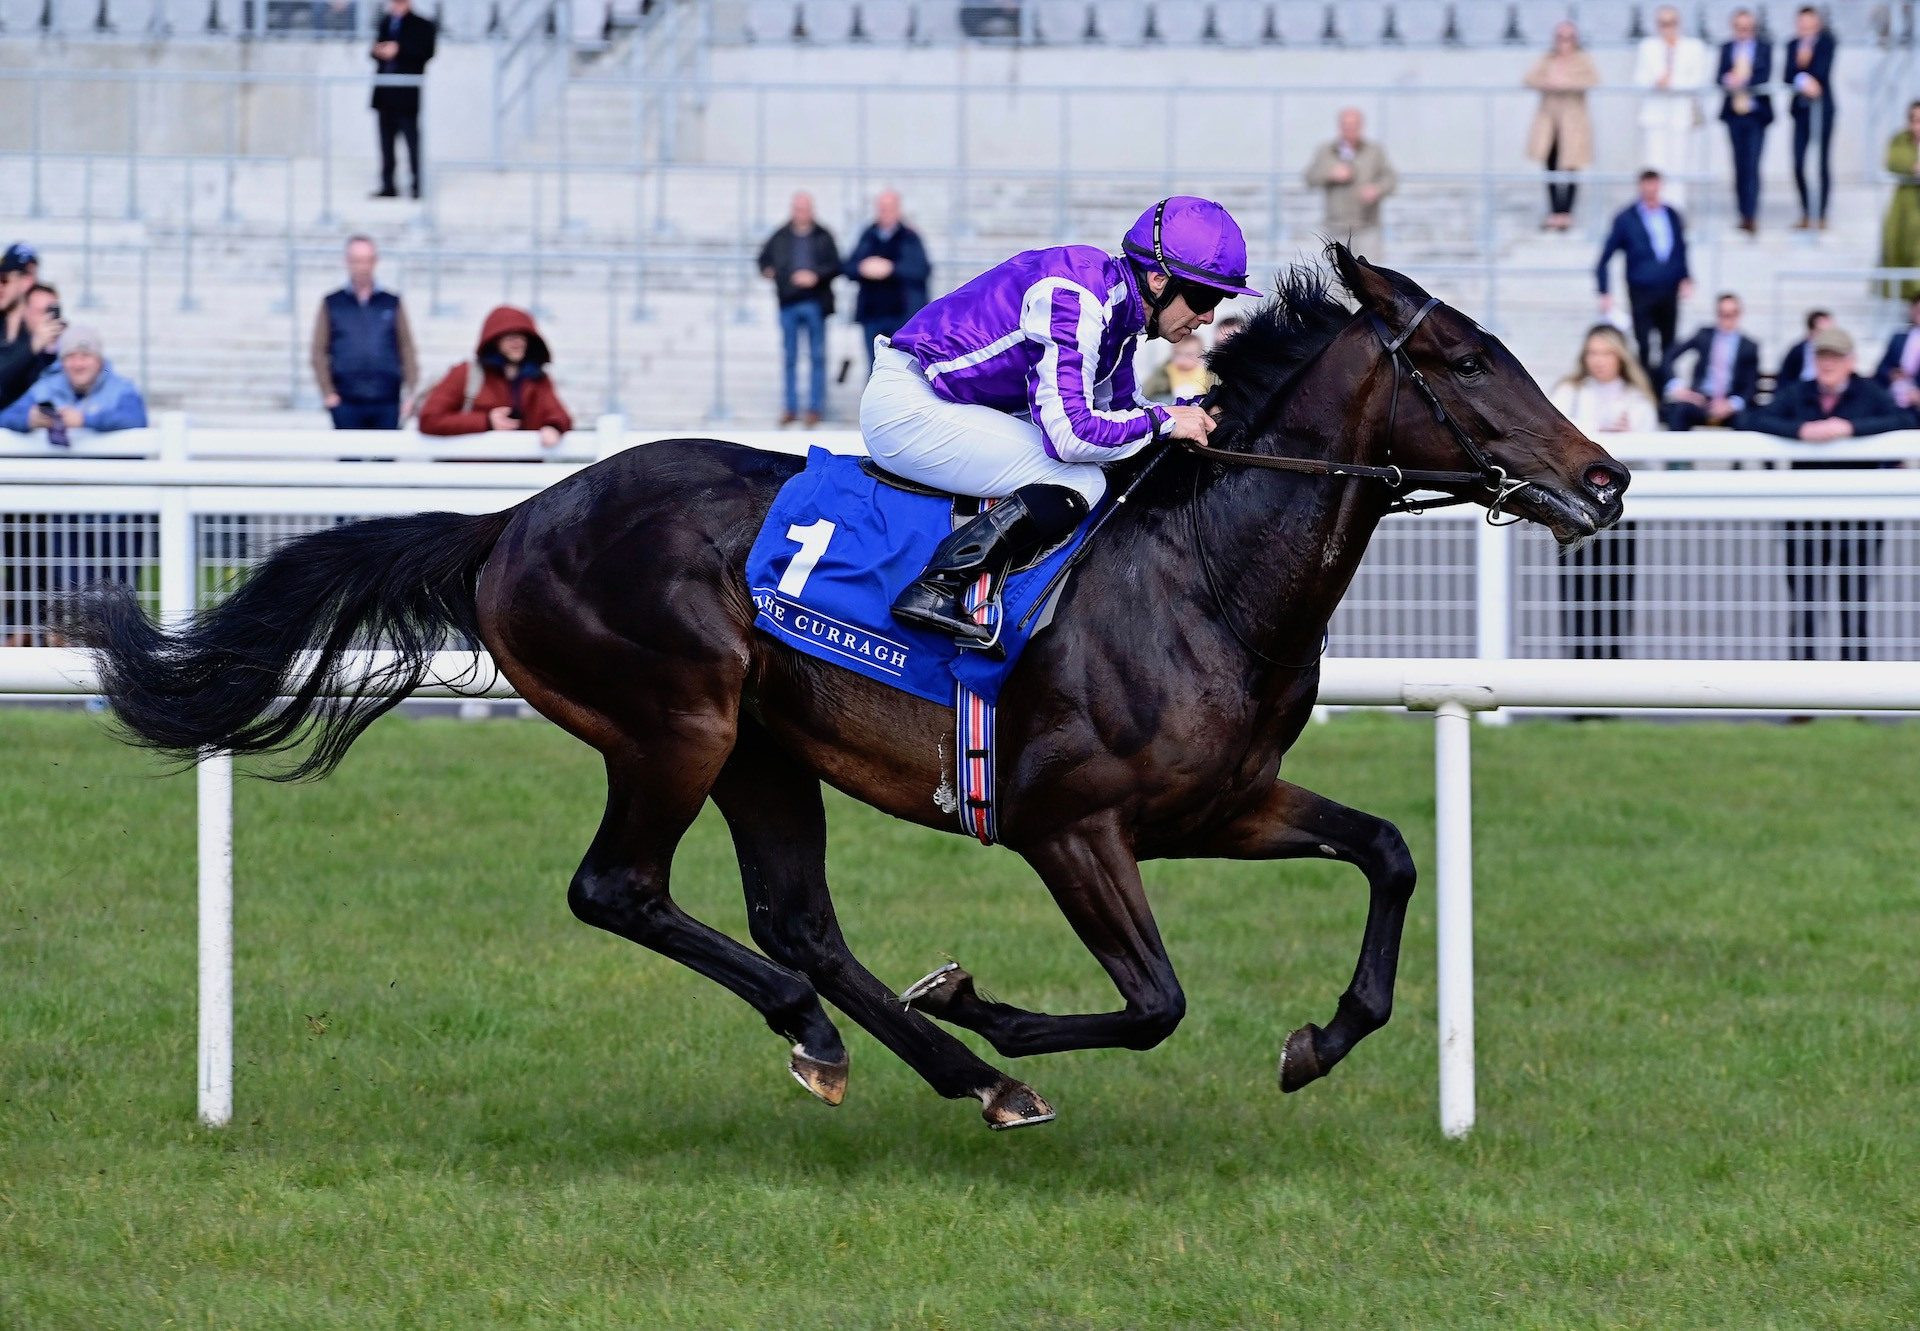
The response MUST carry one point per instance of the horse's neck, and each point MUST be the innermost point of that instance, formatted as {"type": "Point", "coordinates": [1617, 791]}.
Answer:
{"type": "Point", "coordinates": [1284, 547]}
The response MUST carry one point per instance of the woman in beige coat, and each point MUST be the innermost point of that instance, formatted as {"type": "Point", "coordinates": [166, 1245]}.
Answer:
{"type": "Point", "coordinates": [1562, 135]}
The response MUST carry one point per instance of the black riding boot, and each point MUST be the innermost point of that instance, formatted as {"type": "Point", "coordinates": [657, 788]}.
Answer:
{"type": "Point", "coordinates": [1016, 528]}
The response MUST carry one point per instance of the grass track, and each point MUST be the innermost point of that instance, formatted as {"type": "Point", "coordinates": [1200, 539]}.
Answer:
{"type": "Point", "coordinates": [456, 1107]}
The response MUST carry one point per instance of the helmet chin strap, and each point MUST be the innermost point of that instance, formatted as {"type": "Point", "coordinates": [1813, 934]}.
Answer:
{"type": "Point", "coordinates": [1156, 305]}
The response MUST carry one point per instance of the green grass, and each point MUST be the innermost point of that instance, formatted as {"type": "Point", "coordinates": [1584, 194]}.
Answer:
{"type": "Point", "coordinates": [457, 1107]}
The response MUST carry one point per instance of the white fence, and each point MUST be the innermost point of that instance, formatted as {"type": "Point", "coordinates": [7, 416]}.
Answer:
{"type": "Point", "coordinates": [1715, 562]}
{"type": "Point", "coordinates": [1451, 689]}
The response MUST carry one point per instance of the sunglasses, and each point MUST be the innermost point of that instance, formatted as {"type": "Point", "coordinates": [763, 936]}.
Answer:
{"type": "Point", "coordinates": [1201, 300]}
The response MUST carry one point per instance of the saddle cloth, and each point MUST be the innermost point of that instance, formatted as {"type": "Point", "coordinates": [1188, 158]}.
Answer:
{"type": "Point", "coordinates": [839, 545]}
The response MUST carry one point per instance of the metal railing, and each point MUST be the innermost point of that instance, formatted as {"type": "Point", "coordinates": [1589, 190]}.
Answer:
{"type": "Point", "coordinates": [1058, 135]}
{"type": "Point", "coordinates": [230, 20]}
{"type": "Point", "coordinates": [1370, 23]}
{"type": "Point", "coordinates": [1719, 564]}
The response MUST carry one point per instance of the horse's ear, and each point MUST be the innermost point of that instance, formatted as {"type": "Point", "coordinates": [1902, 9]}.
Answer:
{"type": "Point", "coordinates": [1365, 283]}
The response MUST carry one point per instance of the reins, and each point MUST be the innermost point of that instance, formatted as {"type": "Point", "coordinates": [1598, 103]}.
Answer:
{"type": "Point", "coordinates": [1489, 475]}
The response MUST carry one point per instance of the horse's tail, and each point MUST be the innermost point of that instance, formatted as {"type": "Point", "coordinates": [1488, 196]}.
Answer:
{"type": "Point", "coordinates": [405, 585]}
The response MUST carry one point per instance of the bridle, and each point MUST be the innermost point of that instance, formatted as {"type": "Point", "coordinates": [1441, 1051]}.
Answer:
{"type": "Point", "coordinates": [1487, 474]}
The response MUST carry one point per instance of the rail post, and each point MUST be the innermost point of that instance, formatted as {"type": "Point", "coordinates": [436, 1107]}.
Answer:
{"type": "Point", "coordinates": [213, 781]}
{"type": "Point", "coordinates": [1493, 600]}
{"type": "Point", "coordinates": [1453, 911]}
{"type": "Point", "coordinates": [213, 778]}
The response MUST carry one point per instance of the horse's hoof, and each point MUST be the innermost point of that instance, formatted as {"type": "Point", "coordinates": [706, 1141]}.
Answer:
{"type": "Point", "coordinates": [1299, 1062]}
{"type": "Point", "coordinates": [1013, 1104]}
{"type": "Point", "coordinates": [827, 1081]}
{"type": "Point", "coordinates": [936, 994]}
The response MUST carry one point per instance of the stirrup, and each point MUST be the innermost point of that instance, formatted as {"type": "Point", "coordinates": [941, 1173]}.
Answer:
{"type": "Point", "coordinates": [930, 605]}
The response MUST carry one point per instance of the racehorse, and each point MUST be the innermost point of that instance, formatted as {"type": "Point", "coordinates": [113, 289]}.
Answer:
{"type": "Point", "coordinates": [1148, 721]}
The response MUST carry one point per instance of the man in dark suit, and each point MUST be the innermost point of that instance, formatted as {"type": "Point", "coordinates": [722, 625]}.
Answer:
{"type": "Point", "coordinates": [1899, 369]}
{"type": "Point", "coordinates": [1654, 239]}
{"type": "Point", "coordinates": [1726, 372]}
{"type": "Point", "coordinates": [1746, 63]}
{"type": "Point", "coordinates": [890, 264]}
{"type": "Point", "coordinates": [1807, 67]}
{"type": "Point", "coordinates": [1797, 364]}
{"type": "Point", "coordinates": [403, 44]}
{"type": "Point", "coordinates": [1835, 404]}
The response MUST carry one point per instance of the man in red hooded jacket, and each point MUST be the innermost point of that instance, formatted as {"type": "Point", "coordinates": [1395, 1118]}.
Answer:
{"type": "Point", "coordinates": [504, 387]}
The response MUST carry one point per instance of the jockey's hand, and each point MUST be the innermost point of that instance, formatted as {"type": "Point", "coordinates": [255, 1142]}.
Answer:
{"type": "Point", "coordinates": [1190, 423]}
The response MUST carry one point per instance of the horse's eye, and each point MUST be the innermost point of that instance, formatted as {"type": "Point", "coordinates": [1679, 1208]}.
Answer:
{"type": "Point", "coordinates": [1470, 366]}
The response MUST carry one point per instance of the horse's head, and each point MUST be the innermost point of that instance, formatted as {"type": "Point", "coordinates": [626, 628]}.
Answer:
{"type": "Point", "coordinates": [1460, 392]}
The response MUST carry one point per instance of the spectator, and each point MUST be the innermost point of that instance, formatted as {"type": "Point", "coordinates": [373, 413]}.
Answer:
{"type": "Point", "coordinates": [801, 261]}
{"type": "Point", "coordinates": [890, 264]}
{"type": "Point", "coordinates": [1225, 327]}
{"type": "Point", "coordinates": [1653, 237]}
{"type": "Point", "coordinates": [403, 45]}
{"type": "Point", "coordinates": [504, 387]}
{"type": "Point", "coordinates": [83, 392]}
{"type": "Point", "coordinates": [1607, 393]}
{"type": "Point", "coordinates": [1184, 376]}
{"type": "Point", "coordinates": [1562, 134]}
{"type": "Point", "coordinates": [1746, 66]}
{"type": "Point", "coordinates": [1673, 69]}
{"type": "Point", "coordinates": [1726, 372]}
{"type": "Point", "coordinates": [1835, 404]}
{"type": "Point", "coordinates": [363, 357]}
{"type": "Point", "coordinates": [1899, 368]}
{"type": "Point", "coordinates": [1355, 175]}
{"type": "Point", "coordinates": [25, 352]}
{"type": "Point", "coordinates": [1798, 362]}
{"type": "Point", "coordinates": [1900, 229]}
{"type": "Point", "coordinates": [1809, 69]}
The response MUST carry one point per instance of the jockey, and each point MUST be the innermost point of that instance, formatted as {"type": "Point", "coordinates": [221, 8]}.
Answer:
{"type": "Point", "coordinates": [1019, 387]}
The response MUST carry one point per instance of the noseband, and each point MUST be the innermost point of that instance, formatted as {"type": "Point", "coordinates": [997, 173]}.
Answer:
{"type": "Point", "coordinates": [1488, 475]}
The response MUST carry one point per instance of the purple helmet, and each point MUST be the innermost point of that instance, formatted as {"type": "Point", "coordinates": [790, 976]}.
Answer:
{"type": "Point", "coordinates": [1192, 240]}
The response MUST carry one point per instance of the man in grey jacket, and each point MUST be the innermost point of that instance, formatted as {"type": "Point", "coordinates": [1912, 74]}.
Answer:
{"type": "Point", "coordinates": [1355, 175]}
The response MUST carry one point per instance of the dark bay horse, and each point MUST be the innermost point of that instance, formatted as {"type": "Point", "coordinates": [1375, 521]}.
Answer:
{"type": "Point", "coordinates": [1149, 721]}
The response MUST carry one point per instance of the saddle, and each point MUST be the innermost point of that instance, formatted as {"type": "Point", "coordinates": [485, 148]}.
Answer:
{"type": "Point", "coordinates": [963, 507]}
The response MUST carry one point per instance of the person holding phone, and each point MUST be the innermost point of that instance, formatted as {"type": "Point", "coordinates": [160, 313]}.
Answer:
{"type": "Point", "coordinates": [26, 340]}
{"type": "Point", "coordinates": [504, 387]}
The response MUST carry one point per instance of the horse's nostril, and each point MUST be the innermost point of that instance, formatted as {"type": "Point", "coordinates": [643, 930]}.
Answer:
{"type": "Point", "coordinates": [1603, 478]}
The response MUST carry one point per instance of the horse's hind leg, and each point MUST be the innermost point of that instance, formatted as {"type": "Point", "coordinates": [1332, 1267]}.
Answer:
{"type": "Point", "coordinates": [1096, 883]}
{"type": "Point", "coordinates": [622, 886]}
{"type": "Point", "coordinates": [780, 831]}
{"type": "Point", "coordinates": [1292, 823]}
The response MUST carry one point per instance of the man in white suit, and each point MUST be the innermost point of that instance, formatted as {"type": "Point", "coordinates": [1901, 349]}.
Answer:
{"type": "Point", "coordinates": [1673, 68]}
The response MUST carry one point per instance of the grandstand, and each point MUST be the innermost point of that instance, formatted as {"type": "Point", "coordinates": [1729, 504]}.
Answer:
{"type": "Point", "coordinates": [190, 167]}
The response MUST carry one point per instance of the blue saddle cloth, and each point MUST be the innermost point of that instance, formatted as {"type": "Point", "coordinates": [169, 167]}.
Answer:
{"type": "Point", "coordinates": [836, 549]}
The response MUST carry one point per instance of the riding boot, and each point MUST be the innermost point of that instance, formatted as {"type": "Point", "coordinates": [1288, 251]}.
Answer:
{"type": "Point", "coordinates": [1014, 529]}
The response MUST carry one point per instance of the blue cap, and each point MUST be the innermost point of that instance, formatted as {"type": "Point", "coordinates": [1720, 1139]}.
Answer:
{"type": "Point", "coordinates": [19, 257]}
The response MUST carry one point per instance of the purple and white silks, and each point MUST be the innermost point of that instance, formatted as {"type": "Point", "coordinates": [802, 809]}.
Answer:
{"type": "Point", "coordinates": [1048, 334]}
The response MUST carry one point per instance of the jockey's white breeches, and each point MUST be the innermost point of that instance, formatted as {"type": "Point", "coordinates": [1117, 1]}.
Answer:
{"type": "Point", "coordinates": [969, 450]}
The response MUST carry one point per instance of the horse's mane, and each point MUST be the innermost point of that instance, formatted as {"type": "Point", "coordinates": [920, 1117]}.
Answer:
{"type": "Point", "coordinates": [1286, 331]}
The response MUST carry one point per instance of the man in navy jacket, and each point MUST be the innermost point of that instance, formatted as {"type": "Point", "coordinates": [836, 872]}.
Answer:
{"type": "Point", "coordinates": [1654, 239]}
{"type": "Point", "coordinates": [890, 264]}
{"type": "Point", "coordinates": [1746, 64]}
{"type": "Point", "coordinates": [1834, 405]}
{"type": "Point", "coordinates": [1899, 369]}
{"type": "Point", "coordinates": [1726, 372]}
{"type": "Point", "coordinates": [1807, 62]}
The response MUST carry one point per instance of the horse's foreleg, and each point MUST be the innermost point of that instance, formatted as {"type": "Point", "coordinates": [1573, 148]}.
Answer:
{"type": "Point", "coordinates": [1094, 879]}
{"type": "Point", "coordinates": [772, 804]}
{"type": "Point", "coordinates": [1292, 823]}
